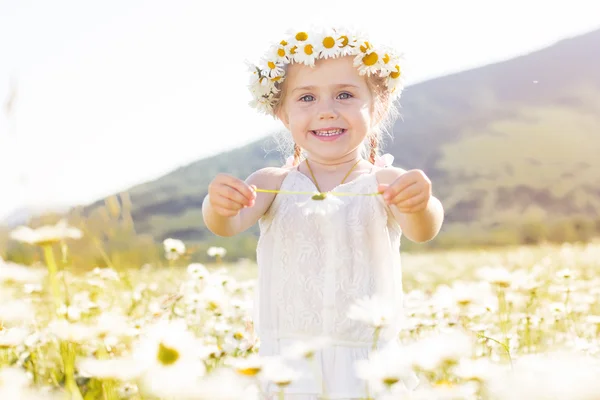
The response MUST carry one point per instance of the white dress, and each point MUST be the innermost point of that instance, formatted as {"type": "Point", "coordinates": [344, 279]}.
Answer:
{"type": "Point", "coordinates": [312, 268]}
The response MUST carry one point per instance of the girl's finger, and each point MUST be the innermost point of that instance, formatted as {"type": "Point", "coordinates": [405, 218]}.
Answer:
{"type": "Point", "coordinates": [225, 212]}
{"type": "Point", "coordinates": [232, 194]}
{"type": "Point", "coordinates": [228, 204]}
{"type": "Point", "coordinates": [403, 182]}
{"type": "Point", "coordinates": [413, 202]}
{"type": "Point", "coordinates": [406, 194]}
{"type": "Point", "coordinates": [410, 210]}
{"type": "Point", "coordinates": [242, 187]}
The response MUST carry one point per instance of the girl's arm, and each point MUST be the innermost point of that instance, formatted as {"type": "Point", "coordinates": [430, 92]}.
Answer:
{"type": "Point", "coordinates": [417, 225]}
{"type": "Point", "coordinates": [266, 178]}
{"type": "Point", "coordinates": [421, 226]}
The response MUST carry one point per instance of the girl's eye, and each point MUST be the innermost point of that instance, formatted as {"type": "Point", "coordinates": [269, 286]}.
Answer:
{"type": "Point", "coordinates": [344, 95]}
{"type": "Point", "coordinates": [307, 97]}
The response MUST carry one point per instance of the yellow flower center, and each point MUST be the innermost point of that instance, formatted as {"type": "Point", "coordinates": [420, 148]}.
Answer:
{"type": "Point", "coordinates": [251, 371]}
{"type": "Point", "coordinates": [271, 64]}
{"type": "Point", "coordinates": [238, 335]}
{"type": "Point", "coordinates": [308, 49]}
{"type": "Point", "coordinates": [390, 380]}
{"type": "Point", "coordinates": [167, 355]}
{"type": "Point", "coordinates": [386, 58]}
{"type": "Point", "coordinates": [364, 47]}
{"type": "Point", "coordinates": [301, 36]}
{"type": "Point", "coordinates": [319, 196]}
{"type": "Point", "coordinates": [370, 59]}
{"type": "Point", "coordinates": [344, 41]}
{"type": "Point", "coordinates": [328, 42]}
{"type": "Point", "coordinates": [395, 74]}
{"type": "Point", "coordinates": [283, 43]}
{"type": "Point", "coordinates": [444, 383]}
{"type": "Point", "coordinates": [281, 52]}
{"type": "Point", "coordinates": [275, 79]}
{"type": "Point", "coordinates": [293, 50]}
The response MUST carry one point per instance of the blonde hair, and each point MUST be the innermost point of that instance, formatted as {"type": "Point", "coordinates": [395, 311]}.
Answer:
{"type": "Point", "coordinates": [383, 111]}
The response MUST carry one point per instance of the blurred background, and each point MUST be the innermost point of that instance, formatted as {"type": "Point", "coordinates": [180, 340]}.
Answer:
{"type": "Point", "coordinates": [116, 116]}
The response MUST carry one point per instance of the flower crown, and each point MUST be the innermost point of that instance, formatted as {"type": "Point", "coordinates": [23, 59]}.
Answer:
{"type": "Point", "coordinates": [306, 47]}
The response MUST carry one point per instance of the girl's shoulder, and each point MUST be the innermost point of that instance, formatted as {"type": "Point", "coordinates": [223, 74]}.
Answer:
{"type": "Point", "coordinates": [385, 172]}
{"type": "Point", "coordinates": [388, 175]}
{"type": "Point", "coordinates": [269, 177]}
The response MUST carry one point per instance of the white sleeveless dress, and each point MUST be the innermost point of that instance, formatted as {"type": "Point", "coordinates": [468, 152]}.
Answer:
{"type": "Point", "coordinates": [312, 268]}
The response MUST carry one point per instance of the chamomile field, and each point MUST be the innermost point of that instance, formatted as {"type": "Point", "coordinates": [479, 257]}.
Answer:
{"type": "Point", "coordinates": [513, 323]}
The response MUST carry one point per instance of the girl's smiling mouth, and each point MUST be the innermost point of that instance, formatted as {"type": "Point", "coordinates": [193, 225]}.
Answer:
{"type": "Point", "coordinates": [328, 134]}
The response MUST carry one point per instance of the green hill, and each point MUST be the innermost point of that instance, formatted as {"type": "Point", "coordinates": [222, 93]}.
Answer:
{"type": "Point", "coordinates": [509, 146]}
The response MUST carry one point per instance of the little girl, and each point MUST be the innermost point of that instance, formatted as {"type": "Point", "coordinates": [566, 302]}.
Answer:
{"type": "Point", "coordinates": [330, 221]}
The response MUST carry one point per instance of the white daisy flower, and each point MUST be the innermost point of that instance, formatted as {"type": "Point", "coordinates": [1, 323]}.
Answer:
{"type": "Point", "coordinates": [348, 45]}
{"type": "Point", "coordinates": [262, 104]}
{"type": "Point", "coordinates": [224, 384]}
{"type": "Point", "coordinates": [320, 204]}
{"type": "Point", "coordinates": [395, 80]}
{"type": "Point", "coordinates": [446, 348]}
{"type": "Point", "coordinates": [306, 349]}
{"type": "Point", "coordinates": [71, 332]}
{"type": "Point", "coordinates": [298, 38]}
{"type": "Point", "coordinates": [390, 62]}
{"type": "Point", "coordinates": [373, 311]}
{"type": "Point", "coordinates": [12, 337]}
{"type": "Point", "coordinates": [329, 44]}
{"type": "Point", "coordinates": [214, 298]}
{"type": "Point", "coordinates": [498, 276]}
{"type": "Point", "coordinates": [280, 52]}
{"type": "Point", "coordinates": [276, 371]}
{"type": "Point", "coordinates": [174, 248]}
{"type": "Point", "coordinates": [306, 54]}
{"type": "Point", "coordinates": [16, 383]}
{"type": "Point", "coordinates": [270, 68]}
{"type": "Point", "coordinates": [264, 87]}
{"type": "Point", "coordinates": [214, 251]}
{"type": "Point", "coordinates": [15, 273]}
{"type": "Point", "coordinates": [120, 369]}
{"type": "Point", "coordinates": [112, 323]}
{"type": "Point", "coordinates": [249, 366]}
{"type": "Point", "coordinates": [197, 271]}
{"type": "Point", "coordinates": [46, 234]}
{"type": "Point", "coordinates": [368, 60]}
{"type": "Point", "coordinates": [554, 375]}
{"type": "Point", "coordinates": [387, 368]}
{"type": "Point", "coordinates": [108, 274]}
{"type": "Point", "coordinates": [255, 74]}
{"type": "Point", "coordinates": [172, 359]}
{"type": "Point", "coordinates": [479, 369]}
{"type": "Point", "coordinates": [16, 312]}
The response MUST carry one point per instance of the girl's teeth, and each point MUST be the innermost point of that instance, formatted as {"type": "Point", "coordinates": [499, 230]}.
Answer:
{"type": "Point", "coordinates": [328, 133]}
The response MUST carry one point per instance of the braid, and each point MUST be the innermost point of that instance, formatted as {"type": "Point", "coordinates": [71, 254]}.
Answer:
{"type": "Point", "coordinates": [374, 144]}
{"type": "Point", "coordinates": [297, 152]}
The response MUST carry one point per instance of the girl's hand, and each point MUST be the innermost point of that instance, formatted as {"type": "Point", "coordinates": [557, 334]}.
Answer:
{"type": "Point", "coordinates": [228, 195]}
{"type": "Point", "coordinates": [410, 192]}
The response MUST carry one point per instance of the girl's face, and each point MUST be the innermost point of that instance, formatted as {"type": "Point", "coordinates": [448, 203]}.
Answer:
{"type": "Point", "coordinates": [327, 108]}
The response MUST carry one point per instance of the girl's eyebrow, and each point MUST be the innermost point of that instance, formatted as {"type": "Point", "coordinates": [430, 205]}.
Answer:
{"type": "Point", "coordinates": [337, 86]}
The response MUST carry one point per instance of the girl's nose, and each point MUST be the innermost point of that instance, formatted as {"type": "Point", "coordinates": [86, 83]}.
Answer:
{"type": "Point", "coordinates": [327, 110]}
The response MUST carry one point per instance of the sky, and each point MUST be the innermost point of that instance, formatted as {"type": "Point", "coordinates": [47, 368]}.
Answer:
{"type": "Point", "coordinates": [115, 93]}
